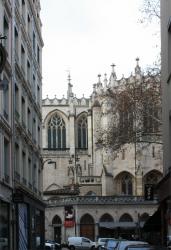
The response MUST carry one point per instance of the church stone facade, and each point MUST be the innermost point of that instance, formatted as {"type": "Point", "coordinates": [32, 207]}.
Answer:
{"type": "Point", "coordinates": [92, 185]}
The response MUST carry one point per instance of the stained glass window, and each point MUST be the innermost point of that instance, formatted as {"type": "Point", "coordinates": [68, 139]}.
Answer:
{"type": "Point", "coordinates": [126, 184]}
{"type": "Point", "coordinates": [56, 132]}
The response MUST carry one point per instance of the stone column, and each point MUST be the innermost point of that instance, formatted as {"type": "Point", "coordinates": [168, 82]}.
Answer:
{"type": "Point", "coordinates": [89, 121]}
{"type": "Point", "coordinates": [96, 231]}
{"type": "Point", "coordinates": [90, 148]}
{"type": "Point", "coordinates": [139, 186]}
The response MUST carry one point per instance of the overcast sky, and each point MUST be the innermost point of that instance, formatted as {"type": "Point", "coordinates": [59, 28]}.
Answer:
{"type": "Point", "coordinates": [86, 37]}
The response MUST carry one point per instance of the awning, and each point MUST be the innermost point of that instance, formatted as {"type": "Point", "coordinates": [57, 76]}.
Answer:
{"type": "Point", "coordinates": [153, 223]}
{"type": "Point", "coordinates": [125, 224]}
{"type": "Point", "coordinates": [107, 224]}
{"type": "Point", "coordinates": [117, 224]}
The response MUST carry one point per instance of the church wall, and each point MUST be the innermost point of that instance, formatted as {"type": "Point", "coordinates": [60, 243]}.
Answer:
{"type": "Point", "coordinates": [96, 211]}
{"type": "Point", "coordinates": [97, 162]}
{"type": "Point", "coordinates": [109, 185]}
{"type": "Point", "coordinates": [58, 175]}
{"type": "Point", "coordinates": [144, 163]}
{"type": "Point", "coordinates": [94, 188]}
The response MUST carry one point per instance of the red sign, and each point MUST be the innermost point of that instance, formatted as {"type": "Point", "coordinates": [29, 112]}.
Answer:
{"type": "Point", "coordinates": [69, 223]}
{"type": "Point", "coordinates": [69, 217]}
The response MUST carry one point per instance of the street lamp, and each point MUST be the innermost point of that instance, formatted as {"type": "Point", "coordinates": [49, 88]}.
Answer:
{"type": "Point", "coordinates": [74, 166]}
{"type": "Point", "coordinates": [49, 161]}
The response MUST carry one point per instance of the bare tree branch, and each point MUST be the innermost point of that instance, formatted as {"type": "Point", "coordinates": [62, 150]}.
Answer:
{"type": "Point", "coordinates": [136, 113]}
{"type": "Point", "coordinates": [150, 11]}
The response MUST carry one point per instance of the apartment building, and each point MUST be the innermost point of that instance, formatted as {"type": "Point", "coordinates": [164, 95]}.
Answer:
{"type": "Point", "coordinates": [20, 134]}
{"type": "Point", "coordinates": [27, 128]}
{"type": "Point", "coordinates": [6, 125]}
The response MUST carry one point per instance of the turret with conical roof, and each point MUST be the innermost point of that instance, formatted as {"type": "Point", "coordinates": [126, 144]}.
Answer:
{"type": "Point", "coordinates": [137, 68]}
{"type": "Point", "coordinates": [112, 79]}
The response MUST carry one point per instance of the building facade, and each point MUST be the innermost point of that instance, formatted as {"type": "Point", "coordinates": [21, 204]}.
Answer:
{"type": "Point", "coordinates": [164, 187]}
{"type": "Point", "coordinates": [6, 125]}
{"type": "Point", "coordinates": [99, 161]}
{"type": "Point", "coordinates": [20, 127]}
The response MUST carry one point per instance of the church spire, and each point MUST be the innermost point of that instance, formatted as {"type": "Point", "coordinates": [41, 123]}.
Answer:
{"type": "Point", "coordinates": [112, 79]}
{"type": "Point", "coordinates": [69, 92]}
{"type": "Point", "coordinates": [105, 81]}
{"type": "Point", "coordinates": [137, 68]}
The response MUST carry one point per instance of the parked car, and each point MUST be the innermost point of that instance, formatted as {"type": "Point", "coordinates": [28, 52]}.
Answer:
{"type": "Point", "coordinates": [140, 247]}
{"type": "Point", "coordinates": [110, 244]}
{"type": "Point", "coordinates": [4, 243]}
{"type": "Point", "coordinates": [121, 245]}
{"type": "Point", "coordinates": [52, 244]}
{"type": "Point", "coordinates": [101, 242]}
{"type": "Point", "coordinates": [80, 243]}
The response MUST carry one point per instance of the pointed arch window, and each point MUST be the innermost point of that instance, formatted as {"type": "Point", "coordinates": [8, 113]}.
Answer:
{"type": "Point", "coordinates": [56, 132]}
{"type": "Point", "coordinates": [126, 218]}
{"type": "Point", "coordinates": [82, 133]}
{"type": "Point", "coordinates": [126, 184]}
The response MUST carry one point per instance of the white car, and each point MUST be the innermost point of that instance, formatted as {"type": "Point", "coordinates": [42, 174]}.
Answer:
{"type": "Point", "coordinates": [49, 246]}
{"type": "Point", "coordinates": [102, 241]}
{"type": "Point", "coordinates": [80, 243]}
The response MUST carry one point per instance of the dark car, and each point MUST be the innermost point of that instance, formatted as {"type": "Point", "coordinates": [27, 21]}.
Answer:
{"type": "Point", "coordinates": [140, 247]}
{"type": "Point", "coordinates": [144, 247]}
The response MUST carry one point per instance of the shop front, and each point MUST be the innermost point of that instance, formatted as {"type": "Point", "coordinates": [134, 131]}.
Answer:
{"type": "Point", "coordinates": [4, 225]}
{"type": "Point", "coordinates": [29, 221]}
{"type": "Point", "coordinates": [164, 193]}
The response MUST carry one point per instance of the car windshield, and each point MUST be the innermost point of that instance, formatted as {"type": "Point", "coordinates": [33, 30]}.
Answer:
{"type": "Point", "coordinates": [103, 240]}
{"type": "Point", "coordinates": [111, 243]}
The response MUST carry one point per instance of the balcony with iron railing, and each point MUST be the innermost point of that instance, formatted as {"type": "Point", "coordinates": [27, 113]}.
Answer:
{"type": "Point", "coordinates": [7, 178]}
{"type": "Point", "coordinates": [30, 186]}
{"type": "Point", "coordinates": [17, 4]}
{"type": "Point", "coordinates": [16, 56]}
{"type": "Point", "coordinates": [24, 181]}
{"type": "Point", "coordinates": [29, 132]}
{"type": "Point", "coordinates": [57, 151]}
{"type": "Point", "coordinates": [89, 180]}
{"type": "Point", "coordinates": [5, 114]}
{"type": "Point", "coordinates": [23, 21]}
{"type": "Point", "coordinates": [17, 176]}
{"type": "Point", "coordinates": [23, 124]}
{"type": "Point", "coordinates": [17, 115]}
{"type": "Point", "coordinates": [35, 189]}
{"type": "Point", "coordinates": [100, 200]}
{"type": "Point", "coordinates": [23, 70]}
